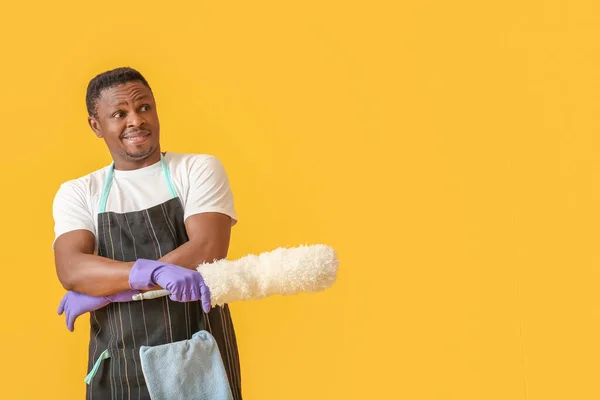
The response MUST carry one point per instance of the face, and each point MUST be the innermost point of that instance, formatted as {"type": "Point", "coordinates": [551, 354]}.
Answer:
{"type": "Point", "coordinates": [127, 120]}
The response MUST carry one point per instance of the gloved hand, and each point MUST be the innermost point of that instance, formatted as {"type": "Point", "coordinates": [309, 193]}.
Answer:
{"type": "Point", "coordinates": [76, 304]}
{"type": "Point", "coordinates": [184, 284]}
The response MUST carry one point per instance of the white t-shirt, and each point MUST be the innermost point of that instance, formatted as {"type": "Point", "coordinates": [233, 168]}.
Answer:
{"type": "Point", "coordinates": [200, 181]}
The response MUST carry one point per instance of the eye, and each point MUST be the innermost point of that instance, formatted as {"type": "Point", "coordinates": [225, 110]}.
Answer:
{"type": "Point", "coordinates": [119, 114]}
{"type": "Point", "coordinates": [145, 107]}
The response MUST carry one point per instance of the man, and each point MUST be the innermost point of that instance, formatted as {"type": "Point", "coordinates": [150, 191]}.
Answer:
{"type": "Point", "coordinates": [146, 221]}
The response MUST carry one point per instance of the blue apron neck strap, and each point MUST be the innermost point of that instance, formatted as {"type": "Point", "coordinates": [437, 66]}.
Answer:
{"type": "Point", "coordinates": [167, 174]}
{"type": "Point", "coordinates": [109, 179]}
{"type": "Point", "coordinates": [106, 188]}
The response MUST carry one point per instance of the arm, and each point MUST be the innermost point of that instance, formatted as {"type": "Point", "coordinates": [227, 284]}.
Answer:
{"type": "Point", "coordinates": [79, 270]}
{"type": "Point", "coordinates": [209, 214]}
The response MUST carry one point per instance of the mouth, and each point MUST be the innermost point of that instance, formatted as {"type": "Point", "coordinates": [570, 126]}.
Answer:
{"type": "Point", "coordinates": [137, 137]}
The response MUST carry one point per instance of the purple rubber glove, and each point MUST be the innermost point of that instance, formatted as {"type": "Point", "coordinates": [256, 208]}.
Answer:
{"type": "Point", "coordinates": [75, 304]}
{"type": "Point", "coordinates": [184, 284]}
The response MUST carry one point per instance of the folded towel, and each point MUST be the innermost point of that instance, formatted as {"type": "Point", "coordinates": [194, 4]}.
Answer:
{"type": "Point", "coordinates": [188, 369]}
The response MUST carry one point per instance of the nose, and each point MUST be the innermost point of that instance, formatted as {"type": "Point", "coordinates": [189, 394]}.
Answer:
{"type": "Point", "coordinates": [135, 120]}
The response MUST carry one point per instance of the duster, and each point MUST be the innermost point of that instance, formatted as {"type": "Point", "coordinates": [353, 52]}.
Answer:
{"type": "Point", "coordinates": [283, 271]}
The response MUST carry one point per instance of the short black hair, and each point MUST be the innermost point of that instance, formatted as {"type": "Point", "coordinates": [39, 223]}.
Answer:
{"type": "Point", "coordinates": [108, 79]}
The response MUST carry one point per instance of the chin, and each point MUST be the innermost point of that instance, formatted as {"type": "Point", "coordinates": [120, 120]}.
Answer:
{"type": "Point", "coordinates": [141, 154]}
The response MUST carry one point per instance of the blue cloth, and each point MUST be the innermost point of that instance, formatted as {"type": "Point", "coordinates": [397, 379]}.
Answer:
{"type": "Point", "coordinates": [188, 369]}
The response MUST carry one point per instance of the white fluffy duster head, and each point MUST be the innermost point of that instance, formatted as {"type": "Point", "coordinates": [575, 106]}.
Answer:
{"type": "Point", "coordinates": [283, 271]}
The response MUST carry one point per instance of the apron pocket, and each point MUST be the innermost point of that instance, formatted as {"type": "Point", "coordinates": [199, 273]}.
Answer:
{"type": "Point", "coordinates": [187, 369]}
{"type": "Point", "coordinates": [119, 372]}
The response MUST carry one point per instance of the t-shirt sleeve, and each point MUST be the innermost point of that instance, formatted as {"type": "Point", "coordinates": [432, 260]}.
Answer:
{"type": "Point", "coordinates": [70, 210]}
{"type": "Point", "coordinates": [209, 189]}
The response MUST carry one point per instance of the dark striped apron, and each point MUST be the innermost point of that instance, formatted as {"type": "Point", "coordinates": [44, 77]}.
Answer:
{"type": "Point", "coordinates": [121, 328]}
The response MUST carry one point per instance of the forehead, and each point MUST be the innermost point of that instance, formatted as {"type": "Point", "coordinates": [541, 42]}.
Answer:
{"type": "Point", "coordinates": [124, 93]}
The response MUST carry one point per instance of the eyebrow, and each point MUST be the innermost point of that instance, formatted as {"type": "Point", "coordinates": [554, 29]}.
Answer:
{"type": "Point", "coordinates": [140, 97]}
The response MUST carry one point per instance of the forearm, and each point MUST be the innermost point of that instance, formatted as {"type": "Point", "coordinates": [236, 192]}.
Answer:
{"type": "Point", "coordinates": [191, 254]}
{"type": "Point", "coordinates": [100, 276]}
{"type": "Point", "coordinates": [94, 275]}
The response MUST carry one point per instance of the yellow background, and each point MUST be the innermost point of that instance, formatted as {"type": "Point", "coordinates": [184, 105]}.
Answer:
{"type": "Point", "coordinates": [448, 150]}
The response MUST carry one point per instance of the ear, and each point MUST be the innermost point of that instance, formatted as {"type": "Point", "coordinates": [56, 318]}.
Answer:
{"type": "Point", "coordinates": [95, 125]}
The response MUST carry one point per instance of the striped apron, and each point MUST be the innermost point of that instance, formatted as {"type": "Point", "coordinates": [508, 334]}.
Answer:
{"type": "Point", "coordinates": [121, 328]}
